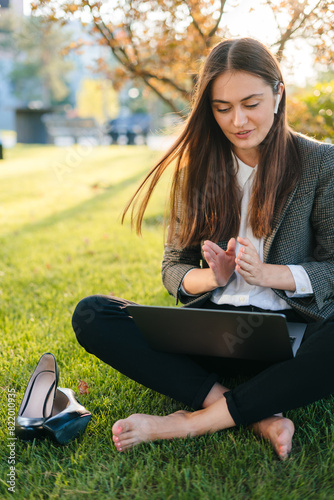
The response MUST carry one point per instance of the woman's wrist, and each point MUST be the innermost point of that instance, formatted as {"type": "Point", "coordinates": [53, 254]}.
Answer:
{"type": "Point", "coordinates": [199, 281]}
{"type": "Point", "coordinates": [278, 276]}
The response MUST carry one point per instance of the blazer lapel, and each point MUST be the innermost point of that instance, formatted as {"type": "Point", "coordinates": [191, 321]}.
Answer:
{"type": "Point", "coordinates": [277, 220]}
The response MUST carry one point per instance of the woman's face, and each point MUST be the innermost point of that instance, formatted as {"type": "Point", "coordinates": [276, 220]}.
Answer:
{"type": "Point", "coordinates": [243, 106]}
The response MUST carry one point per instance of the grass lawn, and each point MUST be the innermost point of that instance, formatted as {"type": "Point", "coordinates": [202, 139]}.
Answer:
{"type": "Point", "coordinates": [61, 240]}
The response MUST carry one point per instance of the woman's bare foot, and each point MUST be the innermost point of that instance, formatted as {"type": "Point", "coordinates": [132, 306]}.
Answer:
{"type": "Point", "coordinates": [279, 430]}
{"type": "Point", "coordinates": [140, 428]}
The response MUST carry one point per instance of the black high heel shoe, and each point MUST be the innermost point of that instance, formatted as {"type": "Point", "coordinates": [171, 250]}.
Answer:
{"type": "Point", "coordinates": [37, 403]}
{"type": "Point", "coordinates": [69, 418]}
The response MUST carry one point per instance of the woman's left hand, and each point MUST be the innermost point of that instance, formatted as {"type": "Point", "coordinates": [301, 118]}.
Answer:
{"type": "Point", "coordinates": [249, 264]}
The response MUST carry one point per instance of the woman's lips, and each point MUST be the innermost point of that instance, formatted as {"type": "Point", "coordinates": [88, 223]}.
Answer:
{"type": "Point", "coordinates": [244, 134]}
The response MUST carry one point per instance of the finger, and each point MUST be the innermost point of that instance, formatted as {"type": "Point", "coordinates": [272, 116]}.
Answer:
{"type": "Point", "coordinates": [213, 246]}
{"type": "Point", "coordinates": [208, 252]}
{"type": "Point", "coordinates": [245, 274]}
{"type": "Point", "coordinates": [245, 266]}
{"type": "Point", "coordinates": [211, 262]}
{"type": "Point", "coordinates": [245, 257]}
{"type": "Point", "coordinates": [239, 270]}
{"type": "Point", "coordinates": [246, 242]}
{"type": "Point", "coordinates": [210, 259]}
{"type": "Point", "coordinates": [242, 240]}
{"type": "Point", "coordinates": [231, 245]}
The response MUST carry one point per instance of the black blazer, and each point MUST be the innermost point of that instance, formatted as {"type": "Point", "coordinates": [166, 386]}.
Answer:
{"type": "Point", "coordinates": [302, 234]}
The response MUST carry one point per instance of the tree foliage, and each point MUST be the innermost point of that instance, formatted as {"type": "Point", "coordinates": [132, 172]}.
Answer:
{"type": "Point", "coordinates": [39, 71]}
{"type": "Point", "coordinates": [162, 42]}
{"type": "Point", "coordinates": [311, 111]}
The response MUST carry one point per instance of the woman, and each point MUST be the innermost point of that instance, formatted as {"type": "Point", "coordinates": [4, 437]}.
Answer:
{"type": "Point", "coordinates": [251, 228]}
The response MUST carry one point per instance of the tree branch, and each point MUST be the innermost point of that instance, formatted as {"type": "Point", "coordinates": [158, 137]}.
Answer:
{"type": "Point", "coordinates": [169, 102]}
{"type": "Point", "coordinates": [166, 80]}
{"type": "Point", "coordinates": [195, 23]}
{"type": "Point", "coordinates": [291, 29]}
{"type": "Point", "coordinates": [136, 69]}
{"type": "Point", "coordinates": [131, 38]}
{"type": "Point", "coordinates": [214, 29]}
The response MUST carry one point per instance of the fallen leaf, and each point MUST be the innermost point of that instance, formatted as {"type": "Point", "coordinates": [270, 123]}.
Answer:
{"type": "Point", "coordinates": [83, 387]}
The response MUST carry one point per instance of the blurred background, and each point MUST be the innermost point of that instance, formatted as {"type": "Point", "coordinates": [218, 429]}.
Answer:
{"type": "Point", "coordinates": [122, 72]}
{"type": "Point", "coordinates": [91, 93]}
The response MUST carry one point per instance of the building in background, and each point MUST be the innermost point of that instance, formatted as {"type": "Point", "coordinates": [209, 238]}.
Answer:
{"type": "Point", "coordinates": [11, 13]}
{"type": "Point", "coordinates": [14, 6]}
{"type": "Point", "coordinates": [91, 96]}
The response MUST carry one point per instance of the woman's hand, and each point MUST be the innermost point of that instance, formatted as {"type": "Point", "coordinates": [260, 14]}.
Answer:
{"type": "Point", "coordinates": [255, 272]}
{"type": "Point", "coordinates": [221, 262]}
{"type": "Point", "coordinates": [221, 267]}
{"type": "Point", "coordinates": [249, 264]}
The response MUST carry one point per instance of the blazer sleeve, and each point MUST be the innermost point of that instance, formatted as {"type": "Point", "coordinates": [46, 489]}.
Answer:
{"type": "Point", "coordinates": [320, 267]}
{"type": "Point", "coordinates": [175, 265]}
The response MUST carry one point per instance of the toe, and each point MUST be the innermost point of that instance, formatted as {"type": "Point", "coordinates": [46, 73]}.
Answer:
{"type": "Point", "coordinates": [119, 427]}
{"type": "Point", "coordinates": [283, 453]}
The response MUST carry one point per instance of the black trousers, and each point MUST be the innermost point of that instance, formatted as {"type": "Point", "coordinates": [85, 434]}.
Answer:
{"type": "Point", "coordinates": [104, 328]}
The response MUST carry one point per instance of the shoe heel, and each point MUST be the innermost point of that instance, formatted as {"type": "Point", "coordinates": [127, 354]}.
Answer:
{"type": "Point", "coordinates": [64, 432]}
{"type": "Point", "coordinates": [29, 433]}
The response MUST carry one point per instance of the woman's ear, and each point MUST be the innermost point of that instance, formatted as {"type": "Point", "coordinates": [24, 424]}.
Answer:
{"type": "Point", "coordinates": [278, 97]}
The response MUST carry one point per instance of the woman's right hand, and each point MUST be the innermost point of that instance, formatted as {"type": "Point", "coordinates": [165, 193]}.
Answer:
{"type": "Point", "coordinates": [221, 262]}
{"type": "Point", "coordinates": [221, 267]}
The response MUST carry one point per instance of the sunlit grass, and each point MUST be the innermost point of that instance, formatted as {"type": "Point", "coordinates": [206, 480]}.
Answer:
{"type": "Point", "coordinates": [60, 240]}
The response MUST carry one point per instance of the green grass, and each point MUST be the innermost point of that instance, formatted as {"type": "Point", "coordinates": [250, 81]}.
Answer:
{"type": "Point", "coordinates": [61, 240]}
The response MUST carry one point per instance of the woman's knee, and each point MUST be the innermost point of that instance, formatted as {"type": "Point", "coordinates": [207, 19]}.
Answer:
{"type": "Point", "coordinates": [318, 341]}
{"type": "Point", "coordinates": [96, 312]}
{"type": "Point", "coordinates": [87, 313]}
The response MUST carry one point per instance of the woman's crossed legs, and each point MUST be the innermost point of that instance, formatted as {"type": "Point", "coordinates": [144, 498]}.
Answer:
{"type": "Point", "coordinates": [104, 328]}
{"type": "Point", "coordinates": [139, 428]}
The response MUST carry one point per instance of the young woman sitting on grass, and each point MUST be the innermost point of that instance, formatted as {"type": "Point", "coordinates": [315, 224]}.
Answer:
{"type": "Point", "coordinates": [251, 228]}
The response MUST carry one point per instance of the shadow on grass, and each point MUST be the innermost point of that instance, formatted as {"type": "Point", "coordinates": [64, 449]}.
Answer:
{"type": "Point", "coordinates": [85, 206]}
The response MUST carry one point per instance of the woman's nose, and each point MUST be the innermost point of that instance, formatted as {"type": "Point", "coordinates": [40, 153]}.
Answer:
{"type": "Point", "coordinates": [239, 117]}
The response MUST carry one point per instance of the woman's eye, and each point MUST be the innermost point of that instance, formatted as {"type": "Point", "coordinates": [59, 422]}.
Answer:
{"type": "Point", "coordinates": [248, 106]}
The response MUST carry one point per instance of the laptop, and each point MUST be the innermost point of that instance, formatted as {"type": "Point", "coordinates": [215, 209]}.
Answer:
{"type": "Point", "coordinates": [210, 332]}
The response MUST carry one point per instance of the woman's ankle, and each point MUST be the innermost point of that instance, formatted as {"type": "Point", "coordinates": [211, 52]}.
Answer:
{"type": "Point", "coordinates": [217, 391]}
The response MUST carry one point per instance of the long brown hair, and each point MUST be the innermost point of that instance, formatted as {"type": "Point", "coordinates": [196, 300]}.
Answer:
{"type": "Point", "coordinates": [204, 193]}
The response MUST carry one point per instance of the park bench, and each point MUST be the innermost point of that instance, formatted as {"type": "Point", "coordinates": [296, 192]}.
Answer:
{"type": "Point", "coordinates": [66, 131]}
